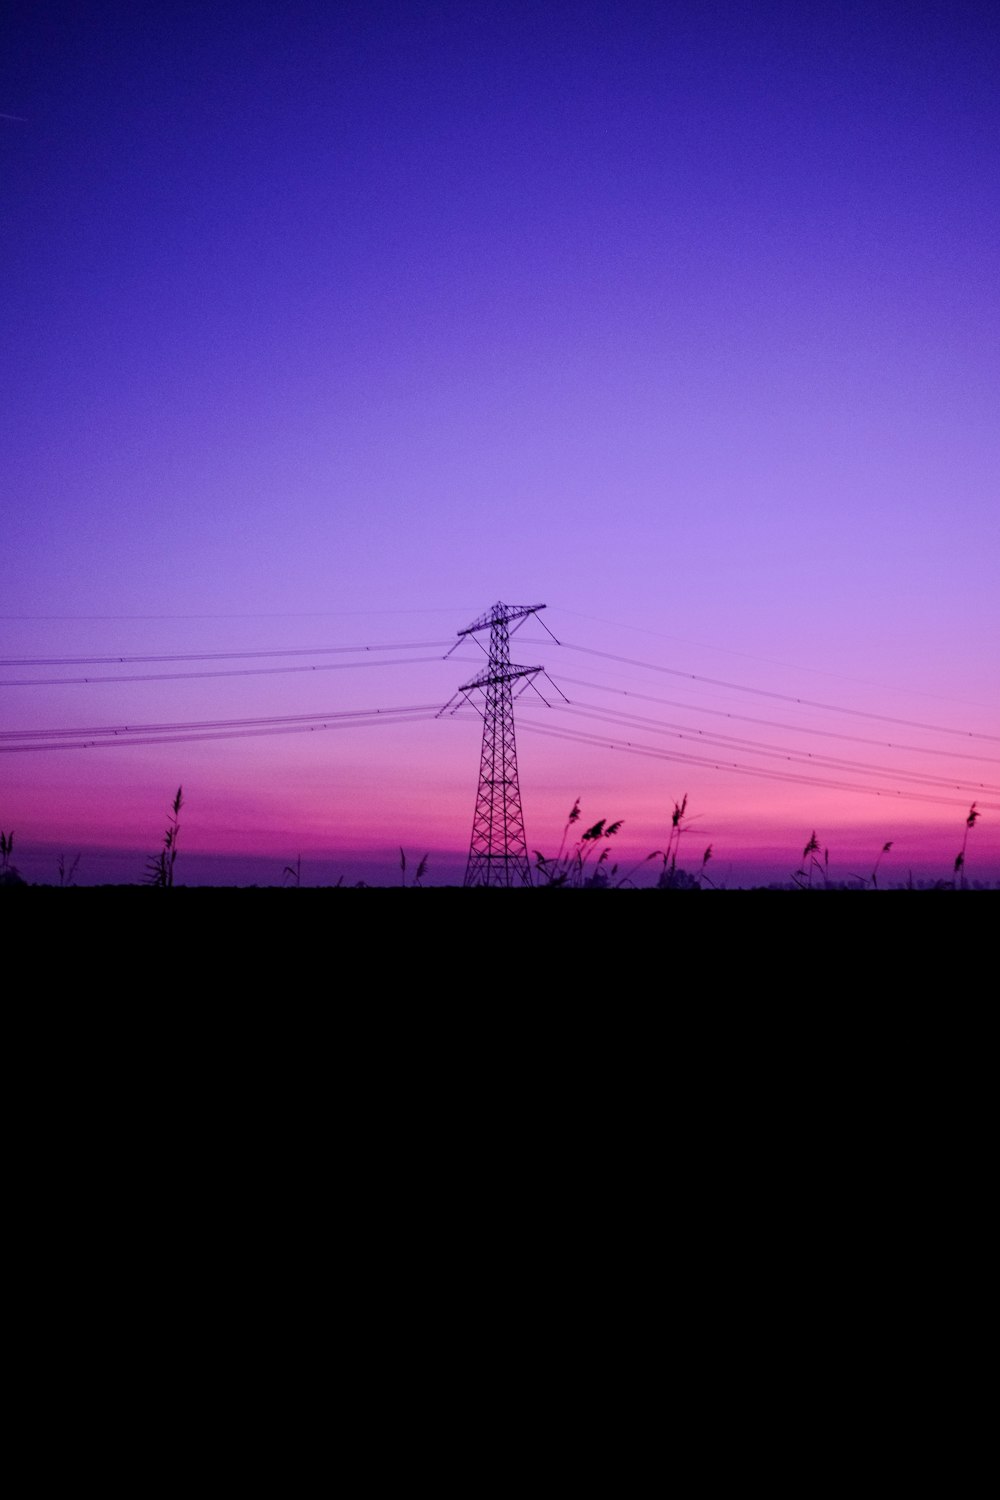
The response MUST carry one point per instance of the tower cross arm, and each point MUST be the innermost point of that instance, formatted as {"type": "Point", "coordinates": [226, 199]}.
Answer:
{"type": "Point", "coordinates": [501, 614]}
{"type": "Point", "coordinates": [490, 678]}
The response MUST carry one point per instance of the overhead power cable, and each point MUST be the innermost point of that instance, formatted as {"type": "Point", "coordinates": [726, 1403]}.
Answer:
{"type": "Point", "coordinates": [321, 666]}
{"type": "Point", "coordinates": [751, 656]}
{"type": "Point", "coordinates": [655, 752]}
{"type": "Point", "coordinates": [756, 747]}
{"type": "Point", "coordinates": [739, 687]}
{"type": "Point", "coordinates": [725, 713]}
{"type": "Point", "coordinates": [267, 614]}
{"type": "Point", "coordinates": [131, 660]}
{"type": "Point", "coordinates": [104, 735]}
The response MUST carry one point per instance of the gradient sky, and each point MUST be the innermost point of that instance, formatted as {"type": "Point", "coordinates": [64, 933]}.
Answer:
{"type": "Point", "coordinates": [330, 324]}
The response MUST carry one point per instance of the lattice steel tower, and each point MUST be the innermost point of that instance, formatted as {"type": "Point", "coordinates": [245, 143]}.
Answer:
{"type": "Point", "coordinates": [498, 854]}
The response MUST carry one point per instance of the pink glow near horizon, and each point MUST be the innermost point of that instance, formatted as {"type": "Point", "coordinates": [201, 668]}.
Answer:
{"type": "Point", "coordinates": [325, 795]}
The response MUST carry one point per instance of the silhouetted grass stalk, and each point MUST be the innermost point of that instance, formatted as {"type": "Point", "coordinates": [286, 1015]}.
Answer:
{"type": "Point", "coordinates": [960, 880]}
{"type": "Point", "coordinates": [160, 867]}
{"type": "Point", "coordinates": [421, 870]}
{"type": "Point", "coordinates": [811, 849]}
{"type": "Point", "coordinates": [872, 879]}
{"type": "Point", "coordinates": [568, 868]}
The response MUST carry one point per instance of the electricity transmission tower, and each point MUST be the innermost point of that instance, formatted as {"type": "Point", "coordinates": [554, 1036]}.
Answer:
{"type": "Point", "coordinates": [498, 854]}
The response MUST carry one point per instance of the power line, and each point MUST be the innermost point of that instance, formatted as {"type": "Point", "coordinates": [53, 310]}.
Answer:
{"type": "Point", "coordinates": [275, 614]}
{"type": "Point", "coordinates": [338, 666]}
{"type": "Point", "coordinates": [13, 741]}
{"type": "Point", "coordinates": [768, 660]}
{"type": "Point", "coordinates": [754, 747]}
{"type": "Point", "coordinates": [656, 753]}
{"type": "Point", "coordinates": [725, 713]}
{"type": "Point", "coordinates": [107, 661]}
{"type": "Point", "coordinates": [369, 648]}
{"type": "Point", "coordinates": [104, 735]}
{"type": "Point", "coordinates": [739, 687]}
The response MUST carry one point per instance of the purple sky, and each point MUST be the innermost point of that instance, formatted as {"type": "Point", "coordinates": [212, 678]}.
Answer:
{"type": "Point", "coordinates": [332, 324]}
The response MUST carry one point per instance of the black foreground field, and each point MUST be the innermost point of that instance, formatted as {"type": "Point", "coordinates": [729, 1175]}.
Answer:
{"type": "Point", "coordinates": [445, 941]}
